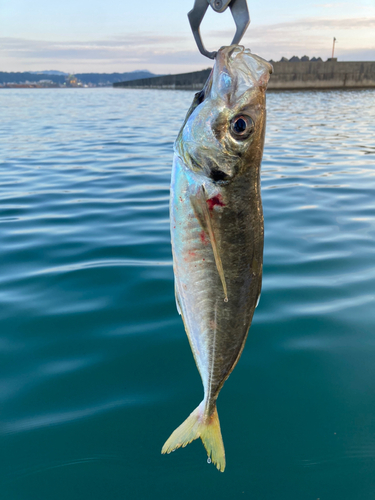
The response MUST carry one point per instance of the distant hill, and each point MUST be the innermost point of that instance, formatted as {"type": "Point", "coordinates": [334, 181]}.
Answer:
{"type": "Point", "coordinates": [97, 79]}
{"type": "Point", "coordinates": [49, 72]}
{"type": "Point", "coordinates": [110, 78]}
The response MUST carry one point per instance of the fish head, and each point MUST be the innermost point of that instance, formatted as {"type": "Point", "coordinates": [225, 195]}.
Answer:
{"type": "Point", "coordinates": [223, 133]}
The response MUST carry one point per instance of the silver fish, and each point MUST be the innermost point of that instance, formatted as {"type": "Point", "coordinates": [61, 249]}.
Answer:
{"type": "Point", "coordinates": [217, 229]}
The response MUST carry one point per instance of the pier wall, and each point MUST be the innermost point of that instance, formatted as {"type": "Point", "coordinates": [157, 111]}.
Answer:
{"type": "Point", "coordinates": [322, 75]}
{"type": "Point", "coordinates": [287, 76]}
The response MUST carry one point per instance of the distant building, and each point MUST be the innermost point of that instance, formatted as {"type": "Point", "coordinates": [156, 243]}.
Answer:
{"type": "Point", "coordinates": [72, 81]}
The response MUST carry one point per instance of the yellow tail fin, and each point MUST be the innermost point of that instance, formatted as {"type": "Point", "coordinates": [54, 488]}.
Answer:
{"type": "Point", "coordinates": [199, 425]}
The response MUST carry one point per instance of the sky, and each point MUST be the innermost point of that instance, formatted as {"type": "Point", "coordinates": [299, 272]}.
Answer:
{"type": "Point", "coordinates": [79, 36]}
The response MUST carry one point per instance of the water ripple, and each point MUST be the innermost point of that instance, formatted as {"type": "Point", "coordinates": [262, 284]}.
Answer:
{"type": "Point", "coordinates": [95, 362]}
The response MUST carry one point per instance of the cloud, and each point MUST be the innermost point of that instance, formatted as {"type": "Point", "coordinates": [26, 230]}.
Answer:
{"type": "Point", "coordinates": [130, 47]}
{"type": "Point", "coordinates": [324, 23]}
{"type": "Point", "coordinates": [315, 25]}
{"type": "Point", "coordinates": [314, 36]}
{"type": "Point", "coordinates": [132, 51]}
{"type": "Point", "coordinates": [167, 53]}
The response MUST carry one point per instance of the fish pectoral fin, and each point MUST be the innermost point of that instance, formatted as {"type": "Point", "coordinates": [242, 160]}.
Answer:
{"type": "Point", "coordinates": [199, 204]}
{"type": "Point", "coordinates": [200, 425]}
{"type": "Point", "coordinates": [198, 207]}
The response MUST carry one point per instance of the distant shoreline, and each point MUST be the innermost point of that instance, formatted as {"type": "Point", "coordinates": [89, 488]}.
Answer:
{"type": "Point", "coordinates": [299, 75]}
{"type": "Point", "coordinates": [60, 80]}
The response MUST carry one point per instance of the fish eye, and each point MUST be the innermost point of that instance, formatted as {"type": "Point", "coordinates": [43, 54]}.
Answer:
{"type": "Point", "coordinates": [241, 127]}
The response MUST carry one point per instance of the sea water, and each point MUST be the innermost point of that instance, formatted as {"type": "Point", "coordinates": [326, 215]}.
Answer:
{"type": "Point", "coordinates": [95, 368]}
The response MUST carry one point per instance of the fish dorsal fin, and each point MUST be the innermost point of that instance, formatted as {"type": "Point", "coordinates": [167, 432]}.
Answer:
{"type": "Point", "coordinates": [199, 203]}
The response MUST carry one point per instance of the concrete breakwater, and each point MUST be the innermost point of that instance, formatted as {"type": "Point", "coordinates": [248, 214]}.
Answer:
{"type": "Point", "coordinates": [288, 75]}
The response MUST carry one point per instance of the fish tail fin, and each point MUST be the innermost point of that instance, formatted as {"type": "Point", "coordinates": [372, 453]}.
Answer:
{"type": "Point", "coordinates": [200, 425]}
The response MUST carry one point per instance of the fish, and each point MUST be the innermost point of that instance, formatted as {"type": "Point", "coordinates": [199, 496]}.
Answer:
{"type": "Point", "coordinates": [217, 229]}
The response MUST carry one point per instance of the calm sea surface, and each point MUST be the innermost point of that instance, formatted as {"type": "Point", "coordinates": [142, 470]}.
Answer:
{"type": "Point", "coordinates": [95, 367]}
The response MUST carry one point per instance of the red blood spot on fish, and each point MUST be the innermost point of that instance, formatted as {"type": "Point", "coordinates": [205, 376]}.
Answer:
{"type": "Point", "coordinates": [203, 237]}
{"type": "Point", "coordinates": [181, 199]}
{"type": "Point", "coordinates": [215, 201]}
{"type": "Point", "coordinates": [190, 256]}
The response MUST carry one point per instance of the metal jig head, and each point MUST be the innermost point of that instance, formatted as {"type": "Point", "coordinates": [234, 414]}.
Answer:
{"type": "Point", "coordinates": [240, 15]}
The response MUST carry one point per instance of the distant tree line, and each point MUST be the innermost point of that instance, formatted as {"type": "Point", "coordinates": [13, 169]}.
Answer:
{"type": "Point", "coordinates": [109, 78]}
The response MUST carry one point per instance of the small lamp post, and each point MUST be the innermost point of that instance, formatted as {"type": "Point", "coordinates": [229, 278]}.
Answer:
{"type": "Point", "coordinates": [333, 47]}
